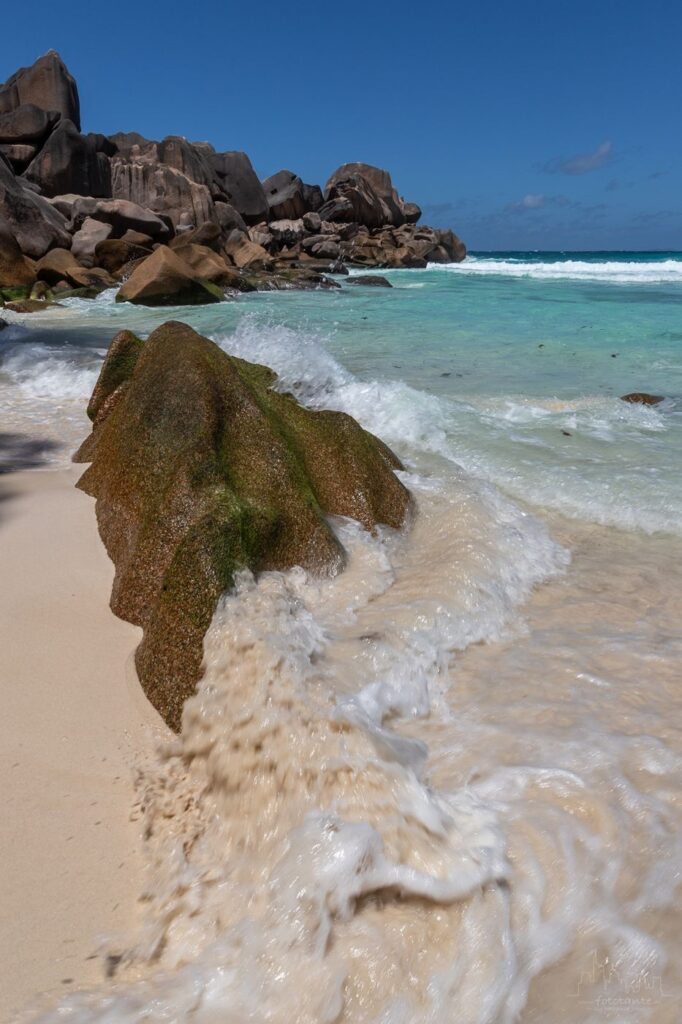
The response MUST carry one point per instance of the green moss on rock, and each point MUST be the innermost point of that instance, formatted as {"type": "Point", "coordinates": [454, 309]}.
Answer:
{"type": "Point", "coordinates": [200, 469]}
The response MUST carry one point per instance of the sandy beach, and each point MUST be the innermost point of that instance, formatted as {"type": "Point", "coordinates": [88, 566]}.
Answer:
{"type": "Point", "coordinates": [74, 724]}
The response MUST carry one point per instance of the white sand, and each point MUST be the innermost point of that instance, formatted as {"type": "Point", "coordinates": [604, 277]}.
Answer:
{"type": "Point", "coordinates": [73, 722]}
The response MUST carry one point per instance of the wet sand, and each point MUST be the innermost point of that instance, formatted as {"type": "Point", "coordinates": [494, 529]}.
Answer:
{"type": "Point", "coordinates": [73, 725]}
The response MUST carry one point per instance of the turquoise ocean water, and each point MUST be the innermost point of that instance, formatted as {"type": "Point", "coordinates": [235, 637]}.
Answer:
{"type": "Point", "coordinates": [509, 670]}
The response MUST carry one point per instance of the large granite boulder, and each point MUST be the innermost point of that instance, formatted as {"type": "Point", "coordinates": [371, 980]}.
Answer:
{"type": "Point", "coordinates": [46, 84]}
{"type": "Point", "coordinates": [18, 154]}
{"type": "Point", "coordinates": [163, 189]}
{"type": "Point", "coordinates": [27, 124]}
{"type": "Point", "coordinates": [15, 270]}
{"type": "Point", "coordinates": [86, 239]}
{"type": "Point", "coordinates": [59, 265]}
{"type": "Point", "coordinates": [285, 196]}
{"type": "Point", "coordinates": [201, 469]}
{"type": "Point", "coordinates": [379, 181]}
{"type": "Point", "coordinates": [71, 162]}
{"type": "Point", "coordinates": [177, 152]}
{"type": "Point", "coordinates": [124, 215]}
{"type": "Point", "coordinates": [117, 254]}
{"type": "Point", "coordinates": [353, 200]}
{"type": "Point", "coordinates": [239, 182]}
{"type": "Point", "coordinates": [163, 279]}
{"type": "Point", "coordinates": [36, 225]}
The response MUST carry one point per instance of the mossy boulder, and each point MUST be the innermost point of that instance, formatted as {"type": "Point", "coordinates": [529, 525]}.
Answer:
{"type": "Point", "coordinates": [200, 469]}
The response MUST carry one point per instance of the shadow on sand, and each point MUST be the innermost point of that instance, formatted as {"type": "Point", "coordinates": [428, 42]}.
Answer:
{"type": "Point", "coordinates": [19, 452]}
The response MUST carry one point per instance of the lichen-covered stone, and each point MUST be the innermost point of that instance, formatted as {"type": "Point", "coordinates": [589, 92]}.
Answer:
{"type": "Point", "coordinates": [200, 469]}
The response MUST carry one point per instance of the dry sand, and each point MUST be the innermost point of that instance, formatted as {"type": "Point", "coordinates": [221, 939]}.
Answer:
{"type": "Point", "coordinates": [73, 722]}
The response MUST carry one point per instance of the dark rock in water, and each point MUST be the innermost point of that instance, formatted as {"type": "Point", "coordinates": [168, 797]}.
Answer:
{"type": "Point", "coordinates": [27, 124]}
{"type": "Point", "coordinates": [29, 305]}
{"type": "Point", "coordinates": [70, 162]}
{"type": "Point", "coordinates": [201, 469]}
{"type": "Point", "coordinates": [15, 270]}
{"type": "Point", "coordinates": [240, 184]}
{"type": "Point", "coordinates": [641, 398]}
{"type": "Point", "coordinates": [46, 84]}
{"type": "Point", "coordinates": [370, 280]}
{"type": "Point", "coordinates": [163, 279]}
{"type": "Point", "coordinates": [36, 225]}
{"type": "Point", "coordinates": [3, 324]}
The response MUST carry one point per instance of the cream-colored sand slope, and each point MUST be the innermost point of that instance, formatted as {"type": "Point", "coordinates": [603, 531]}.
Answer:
{"type": "Point", "coordinates": [73, 723]}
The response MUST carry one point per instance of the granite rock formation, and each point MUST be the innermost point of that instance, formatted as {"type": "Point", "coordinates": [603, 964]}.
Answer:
{"type": "Point", "coordinates": [200, 469]}
{"type": "Point", "coordinates": [56, 181]}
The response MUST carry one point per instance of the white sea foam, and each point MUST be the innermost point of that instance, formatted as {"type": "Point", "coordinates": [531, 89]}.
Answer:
{"type": "Point", "coordinates": [613, 470]}
{"type": "Point", "coordinates": [608, 271]}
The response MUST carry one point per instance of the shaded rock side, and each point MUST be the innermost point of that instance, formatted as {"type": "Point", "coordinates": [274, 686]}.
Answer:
{"type": "Point", "coordinates": [36, 225]}
{"type": "Point", "coordinates": [200, 469]}
{"type": "Point", "coordinates": [70, 163]}
{"type": "Point", "coordinates": [46, 84]}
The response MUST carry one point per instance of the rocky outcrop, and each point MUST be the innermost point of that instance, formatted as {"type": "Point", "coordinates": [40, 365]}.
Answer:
{"type": "Point", "coordinates": [239, 182]}
{"type": "Point", "coordinates": [163, 279]}
{"type": "Point", "coordinates": [164, 190]}
{"type": "Point", "coordinates": [27, 124]}
{"type": "Point", "coordinates": [36, 225]}
{"type": "Point", "coordinates": [641, 398]}
{"type": "Point", "coordinates": [15, 270]}
{"type": "Point", "coordinates": [285, 193]}
{"type": "Point", "coordinates": [71, 162]}
{"type": "Point", "coordinates": [201, 469]}
{"type": "Point", "coordinates": [47, 84]}
{"type": "Point", "coordinates": [56, 182]}
{"type": "Point", "coordinates": [378, 180]}
{"type": "Point", "coordinates": [86, 239]}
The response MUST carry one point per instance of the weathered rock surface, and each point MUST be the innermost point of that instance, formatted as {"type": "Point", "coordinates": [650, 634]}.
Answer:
{"type": "Point", "coordinates": [27, 123]}
{"type": "Point", "coordinates": [55, 181]}
{"type": "Point", "coordinates": [46, 84]}
{"type": "Point", "coordinates": [641, 398]}
{"type": "Point", "coordinates": [36, 225]}
{"type": "Point", "coordinates": [201, 469]}
{"type": "Point", "coordinates": [162, 189]}
{"type": "Point", "coordinates": [240, 183]}
{"type": "Point", "coordinates": [15, 270]}
{"type": "Point", "coordinates": [163, 279]}
{"type": "Point", "coordinates": [87, 237]}
{"type": "Point", "coordinates": [370, 281]}
{"type": "Point", "coordinates": [285, 196]}
{"type": "Point", "coordinates": [70, 162]}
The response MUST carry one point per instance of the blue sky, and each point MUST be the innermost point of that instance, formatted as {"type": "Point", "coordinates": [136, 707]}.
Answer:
{"type": "Point", "coordinates": [520, 124]}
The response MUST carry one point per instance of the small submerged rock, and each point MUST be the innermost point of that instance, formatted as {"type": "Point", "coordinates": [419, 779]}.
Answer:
{"type": "Point", "coordinates": [201, 469]}
{"type": "Point", "coordinates": [370, 281]}
{"type": "Point", "coordinates": [641, 398]}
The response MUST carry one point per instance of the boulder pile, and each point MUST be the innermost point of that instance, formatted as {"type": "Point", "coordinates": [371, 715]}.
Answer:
{"type": "Point", "coordinates": [112, 201]}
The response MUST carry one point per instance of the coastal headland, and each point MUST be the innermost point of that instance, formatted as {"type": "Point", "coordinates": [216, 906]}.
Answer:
{"type": "Point", "coordinates": [174, 222]}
